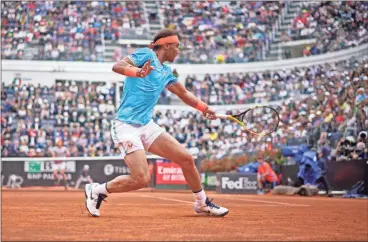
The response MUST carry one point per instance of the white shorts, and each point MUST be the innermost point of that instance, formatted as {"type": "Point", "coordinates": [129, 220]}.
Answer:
{"type": "Point", "coordinates": [132, 138]}
{"type": "Point", "coordinates": [60, 166]}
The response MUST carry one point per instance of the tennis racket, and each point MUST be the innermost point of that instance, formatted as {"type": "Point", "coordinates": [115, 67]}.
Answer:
{"type": "Point", "coordinates": [258, 120]}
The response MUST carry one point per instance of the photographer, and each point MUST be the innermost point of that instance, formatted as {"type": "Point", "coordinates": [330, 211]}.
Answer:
{"type": "Point", "coordinates": [363, 137]}
{"type": "Point", "coordinates": [361, 151]}
{"type": "Point", "coordinates": [345, 148]}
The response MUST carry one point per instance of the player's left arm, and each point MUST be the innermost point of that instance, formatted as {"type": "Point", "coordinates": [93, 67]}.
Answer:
{"type": "Point", "coordinates": [137, 64]}
{"type": "Point", "coordinates": [188, 98]}
{"type": "Point", "coordinates": [126, 67]}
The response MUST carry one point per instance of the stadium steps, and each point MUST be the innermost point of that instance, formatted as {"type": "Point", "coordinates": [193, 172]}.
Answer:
{"type": "Point", "coordinates": [109, 51]}
{"type": "Point", "coordinates": [153, 27]}
{"type": "Point", "coordinates": [145, 11]}
{"type": "Point", "coordinates": [157, 24]}
{"type": "Point", "coordinates": [285, 26]}
{"type": "Point", "coordinates": [30, 51]}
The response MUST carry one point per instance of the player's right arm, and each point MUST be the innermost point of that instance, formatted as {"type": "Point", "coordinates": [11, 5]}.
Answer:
{"type": "Point", "coordinates": [190, 99]}
{"type": "Point", "coordinates": [129, 65]}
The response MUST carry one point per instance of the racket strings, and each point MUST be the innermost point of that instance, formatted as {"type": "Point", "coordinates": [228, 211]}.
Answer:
{"type": "Point", "coordinates": [261, 120]}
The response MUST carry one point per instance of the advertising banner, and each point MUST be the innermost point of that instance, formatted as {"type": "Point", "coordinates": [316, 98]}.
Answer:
{"type": "Point", "coordinates": [238, 183]}
{"type": "Point", "coordinates": [210, 181]}
{"type": "Point", "coordinates": [23, 173]}
{"type": "Point", "coordinates": [341, 175]}
{"type": "Point", "coordinates": [12, 174]}
{"type": "Point", "coordinates": [34, 173]}
{"type": "Point", "coordinates": [203, 178]}
{"type": "Point", "coordinates": [169, 173]}
{"type": "Point", "coordinates": [104, 170]}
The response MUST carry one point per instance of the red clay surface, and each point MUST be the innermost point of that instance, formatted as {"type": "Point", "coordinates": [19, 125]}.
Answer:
{"type": "Point", "coordinates": [61, 216]}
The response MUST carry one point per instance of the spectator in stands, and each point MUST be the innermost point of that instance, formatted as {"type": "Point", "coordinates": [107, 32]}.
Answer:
{"type": "Point", "coordinates": [324, 155]}
{"type": "Point", "coordinates": [335, 25]}
{"type": "Point", "coordinates": [71, 111]}
{"type": "Point", "coordinates": [236, 30]}
{"type": "Point", "coordinates": [75, 37]}
{"type": "Point", "coordinates": [323, 142]}
{"type": "Point", "coordinates": [361, 102]}
{"type": "Point", "coordinates": [212, 32]}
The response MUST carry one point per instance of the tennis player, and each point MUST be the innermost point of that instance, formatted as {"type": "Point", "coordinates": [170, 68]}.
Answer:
{"type": "Point", "coordinates": [134, 131]}
{"type": "Point", "coordinates": [59, 165]}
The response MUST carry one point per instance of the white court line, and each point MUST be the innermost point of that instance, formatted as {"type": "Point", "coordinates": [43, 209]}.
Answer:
{"type": "Point", "coordinates": [263, 201]}
{"type": "Point", "coordinates": [167, 199]}
{"type": "Point", "coordinates": [274, 204]}
{"type": "Point", "coordinates": [144, 204]}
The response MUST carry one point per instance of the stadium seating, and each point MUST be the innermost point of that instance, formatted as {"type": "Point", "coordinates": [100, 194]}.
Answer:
{"type": "Point", "coordinates": [212, 32]}
{"type": "Point", "coordinates": [335, 25]}
{"type": "Point", "coordinates": [66, 31]}
{"type": "Point", "coordinates": [248, 87]}
{"type": "Point", "coordinates": [79, 114]}
{"type": "Point", "coordinates": [221, 32]}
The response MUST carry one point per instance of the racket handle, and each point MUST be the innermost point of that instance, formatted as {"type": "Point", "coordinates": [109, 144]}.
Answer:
{"type": "Point", "coordinates": [223, 116]}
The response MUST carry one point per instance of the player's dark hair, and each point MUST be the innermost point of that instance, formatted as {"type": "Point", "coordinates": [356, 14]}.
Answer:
{"type": "Point", "coordinates": [162, 34]}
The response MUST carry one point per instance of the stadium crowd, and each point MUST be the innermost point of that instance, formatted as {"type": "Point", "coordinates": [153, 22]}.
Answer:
{"type": "Point", "coordinates": [332, 117]}
{"type": "Point", "coordinates": [241, 88]}
{"type": "Point", "coordinates": [335, 25]}
{"type": "Point", "coordinates": [212, 31]}
{"type": "Point", "coordinates": [34, 118]}
{"type": "Point", "coordinates": [66, 31]}
{"type": "Point", "coordinates": [221, 32]}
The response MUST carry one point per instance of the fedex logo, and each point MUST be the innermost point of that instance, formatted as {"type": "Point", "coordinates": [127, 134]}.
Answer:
{"type": "Point", "coordinates": [241, 183]}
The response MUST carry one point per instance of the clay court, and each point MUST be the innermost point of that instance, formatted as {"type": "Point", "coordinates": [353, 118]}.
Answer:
{"type": "Point", "coordinates": [145, 215]}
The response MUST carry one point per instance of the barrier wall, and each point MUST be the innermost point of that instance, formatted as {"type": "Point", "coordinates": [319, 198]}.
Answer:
{"type": "Point", "coordinates": [18, 172]}
{"type": "Point", "coordinates": [25, 172]}
{"type": "Point", "coordinates": [341, 175]}
{"type": "Point", "coordinates": [46, 72]}
{"type": "Point", "coordinates": [236, 182]}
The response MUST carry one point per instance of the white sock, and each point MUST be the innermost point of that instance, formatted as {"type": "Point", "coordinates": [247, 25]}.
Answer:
{"type": "Point", "coordinates": [200, 197]}
{"type": "Point", "coordinates": [101, 189]}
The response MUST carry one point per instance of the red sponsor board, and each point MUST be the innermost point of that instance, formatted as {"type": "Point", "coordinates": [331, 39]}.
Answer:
{"type": "Point", "coordinates": [169, 174]}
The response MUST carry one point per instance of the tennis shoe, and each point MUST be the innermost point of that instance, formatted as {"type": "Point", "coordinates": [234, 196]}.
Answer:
{"type": "Point", "coordinates": [93, 199]}
{"type": "Point", "coordinates": [209, 208]}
